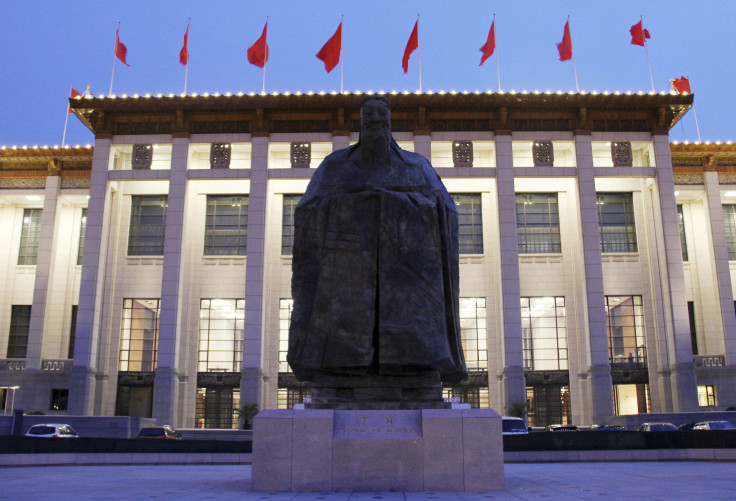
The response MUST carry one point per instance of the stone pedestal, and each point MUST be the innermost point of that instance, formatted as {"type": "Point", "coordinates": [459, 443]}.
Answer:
{"type": "Point", "coordinates": [316, 450]}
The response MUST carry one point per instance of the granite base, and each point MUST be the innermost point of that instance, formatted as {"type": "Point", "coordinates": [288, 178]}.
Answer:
{"type": "Point", "coordinates": [319, 450]}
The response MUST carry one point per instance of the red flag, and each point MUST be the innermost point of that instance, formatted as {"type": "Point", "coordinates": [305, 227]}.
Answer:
{"type": "Point", "coordinates": [120, 49]}
{"type": "Point", "coordinates": [681, 85]}
{"type": "Point", "coordinates": [258, 52]}
{"type": "Point", "coordinates": [330, 52]}
{"type": "Point", "coordinates": [565, 47]}
{"type": "Point", "coordinates": [184, 52]}
{"type": "Point", "coordinates": [490, 45]}
{"type": "Point", "coordinates": [411, 46]}
{"type": "Point", "coordinates": [73, 94]}
{"type": "Point", "coordinates": [638, 34]}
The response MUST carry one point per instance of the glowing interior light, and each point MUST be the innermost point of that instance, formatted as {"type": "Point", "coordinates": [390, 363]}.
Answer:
{"type": "Point", "coordinates": [730, 194]}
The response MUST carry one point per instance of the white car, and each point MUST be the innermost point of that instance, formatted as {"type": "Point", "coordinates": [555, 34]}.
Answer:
{"type": "Point", "coordinates": [51, 430]}
{"type": "Point", "coordinates": [714, 425]}
{"type": "Point", "coordinates": [513, 426]}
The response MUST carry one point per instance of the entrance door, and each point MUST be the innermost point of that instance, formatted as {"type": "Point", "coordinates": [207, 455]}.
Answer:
{"type": "Point", "coordinates": [548, 404]}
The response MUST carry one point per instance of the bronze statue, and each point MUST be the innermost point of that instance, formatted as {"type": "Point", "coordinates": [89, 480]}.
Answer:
{"type": "Point", "coordinates": [375, 276]}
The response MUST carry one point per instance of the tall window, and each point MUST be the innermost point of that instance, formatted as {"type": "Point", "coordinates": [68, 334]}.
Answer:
{"type": "Point", "coordinates": [147, 224]}
{"type": "Point", "coordinates": [470, 232]}
{"type": "Point", "coordinates": [707, 395]}
{"type": "Point", "coordinates": [82, 234]}
{"type": "Point", "coordinates": [681, 223]}
{"type": "Point", "coordinates": [139, 335]}
{"type": "Point", "coordinates": [616, 222]}
{"type": "Point", "coordinates": [625, 325]}
{"type": "Point", "coordinates": [537, 223]}
{"type": "Point", "coordinates": [473, 332]}
{"type": "Point", "coordinates": [544, 333]}
{"type": "Point", "coordinates": [729, 222]}
{"type": "Point", "coordinates": [72, 331]}
{"type": "Point", "coordinates": [221, 323]}
{"type": "Point", "coordinates": [693, 326]}
{"type": "Point", "coordinates": [20, 323]}
{"type": "Point", "coordinates": [287, 226]}
{"type": "Point", "coordinates": [226, 229]}
{"type": "Point", "coordinates": [29, 236]}
{"type": "Point", "coordinates": [285, 308]}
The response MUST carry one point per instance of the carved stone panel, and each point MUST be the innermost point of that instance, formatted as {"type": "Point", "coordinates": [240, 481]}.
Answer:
{"type": "Point", "coordinates": [220, 156]}
{"type": "Point", "coordinates": [462, 153]}
{"type": "Point", "coordinates": [142, 156]}
{"type": "Point", "coordinates": [301, 155]}
{"type": "Point", "coordinates": [543, 154]}
{"type": "Point", "coordinates": [621, 154]}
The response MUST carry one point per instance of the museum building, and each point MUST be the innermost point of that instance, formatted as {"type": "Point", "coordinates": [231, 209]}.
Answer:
{"type": "Point", "coordinates": [151, 275]}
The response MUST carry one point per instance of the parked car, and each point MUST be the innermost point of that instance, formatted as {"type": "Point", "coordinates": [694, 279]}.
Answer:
{"type": "Point", "coordinates": [714, 425]}
{"type": "Point", "coordinates": [606, 427]}
{"type": "Point", "coordinates": [51, 430]}
{"type": "Point", "coordinates": [657, 427]}
{"type": "Point", "coordinates": [687, 426]}
{"type": "Point", "coordinates": [561, 427]}
{"type": "Point", "coordinates": [159, 432]}
{"type": "Point", "coordinates": [513, 426]}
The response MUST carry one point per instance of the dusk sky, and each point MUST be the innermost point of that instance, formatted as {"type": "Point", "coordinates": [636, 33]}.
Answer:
{"type": "Point", "coordinates": [47, 46]}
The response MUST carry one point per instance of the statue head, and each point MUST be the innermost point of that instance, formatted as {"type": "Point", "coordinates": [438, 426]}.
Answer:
{"type": "Point", "coordinates": [375, 128]}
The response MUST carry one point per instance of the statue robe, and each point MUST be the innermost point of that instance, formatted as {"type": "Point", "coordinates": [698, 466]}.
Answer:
{"type": "Point", "coordinates": [375, 270]}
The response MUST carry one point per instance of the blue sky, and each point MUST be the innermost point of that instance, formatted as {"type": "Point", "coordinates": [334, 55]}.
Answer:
{"type": "Point", "coordinates": [47, 46]}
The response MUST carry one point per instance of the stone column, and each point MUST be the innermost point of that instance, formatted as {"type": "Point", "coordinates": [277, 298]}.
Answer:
{"type": "Point", "coordinates": [166, 382]}
{"type": "Point", "coordinates": [251, 380]}
{"type": "Point", "coordinates": [423, 146]}
{"type": "Point", "coordinates": [91, 289]}
{"type": "Point", "coordinates": [599, 371]}
{"type": "Point", "coordinates": [722, 269]}
{"type": "Point", "coordinates": [514, 383]}
{"type": "Point", "coordinates": [684, 390]}
{"type": "Point", "coordinates": [340, 140]}
{"type": "Point", "coordinates": [44, 271]}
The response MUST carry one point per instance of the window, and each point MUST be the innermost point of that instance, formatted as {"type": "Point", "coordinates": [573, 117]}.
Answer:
{"type": "Point", "coordinates": [147, 224]}
{"type": "Point", "coordinates": [693, 331]}
{"type": "Point", "coordinates": [473, 332]}
{"type": "Point", "coordinates": [29, 237]}
{"type": "Point", "coordinates": [217, 407]}
{"type": "Point", "coordinates": [544, 333]}
{"type": "Point", "coordinates": [287, 226]}
{"type": "Point", "coordinates": [226, 227]}
{"type": "Point", "coordinates": [139, 335]}
{"type": "Point", "coordinates": [537, 223]}
{"type": "Point", "coordinates": [470, 222]}
{"type": "Point", "coordinates": [285, 308]}
{"type": "Point", "coordinates": [681, 224]}
{"type": "Point", "coordinates": [625, 326]}
{"type": "Point", "coordinates": [221, 323]}
{"type": "Point", "coordinates": [20, 323]}
{"type": "Point", "coordinates": [82, 234]}
{"type": "Point", "coordinates": [59, 399]}
{"type": "Point", "coordinates": [616, 222]}
{"type": "Point", "coordinates": [707, 396]}
{"type": "Point", "coordinates": [548, 404]}
{"type": "Point", "coordinates": [729, 223]}
{"type": "Point", "coordinates": [72, 331]}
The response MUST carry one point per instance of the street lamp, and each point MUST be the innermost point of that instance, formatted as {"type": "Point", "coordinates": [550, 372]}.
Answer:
{"type": "Point", "coordinates": [12, 399]}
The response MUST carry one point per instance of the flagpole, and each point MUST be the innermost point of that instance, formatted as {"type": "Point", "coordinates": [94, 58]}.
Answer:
{"type": "Point", "coordinates": [697, 127]}
{"type": "Point", "coordinates": [574, 66]}
{"type": "Point", "coordinates": [646, 50]}
{"type": "Point", "coordinates": [263, 89]}
{"type": "Point", "coordinates": [186, 66]}
{"type": "Point", "coordinates": [113, 63]}
{"type": "Point", "coordinates": [66, 120]}
{"type": "Point", "coordinates": [419, 46]}
{"type": "Point", "coordinates": [498, 65]}
{"type": "Point", "coordinates": [341, 62]}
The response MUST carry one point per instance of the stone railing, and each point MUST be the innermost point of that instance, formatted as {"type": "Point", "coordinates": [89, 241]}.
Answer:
{"type": "Point", "coordinates": [56, 365]}
{"type": "Point", "coordinates": [709, 360]}
{"type": "Point", "coordinates": [12, 364]}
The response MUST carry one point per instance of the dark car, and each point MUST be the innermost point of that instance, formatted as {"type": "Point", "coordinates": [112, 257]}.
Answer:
{"type": "Point", "coordinates": [606, 427]}
{"type": "Point", "coordinates": [561, 427]}
{"type": "Point", "coordinates": [657, 427]}
{"type": "Point", "coordinates": [687, 426]}
{"type": "Point", "coordinates": [160, 433]}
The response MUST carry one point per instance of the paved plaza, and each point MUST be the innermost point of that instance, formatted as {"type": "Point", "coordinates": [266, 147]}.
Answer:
{"type": "Point", "coordinates": [544, 481]}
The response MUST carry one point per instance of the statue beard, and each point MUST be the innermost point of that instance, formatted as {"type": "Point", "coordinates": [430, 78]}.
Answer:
{"type": "Point", "coordinates": [375, 144]}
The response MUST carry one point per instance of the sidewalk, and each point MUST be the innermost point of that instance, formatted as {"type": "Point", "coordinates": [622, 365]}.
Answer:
{"type": "Point", "coordinates": [531, 481]}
